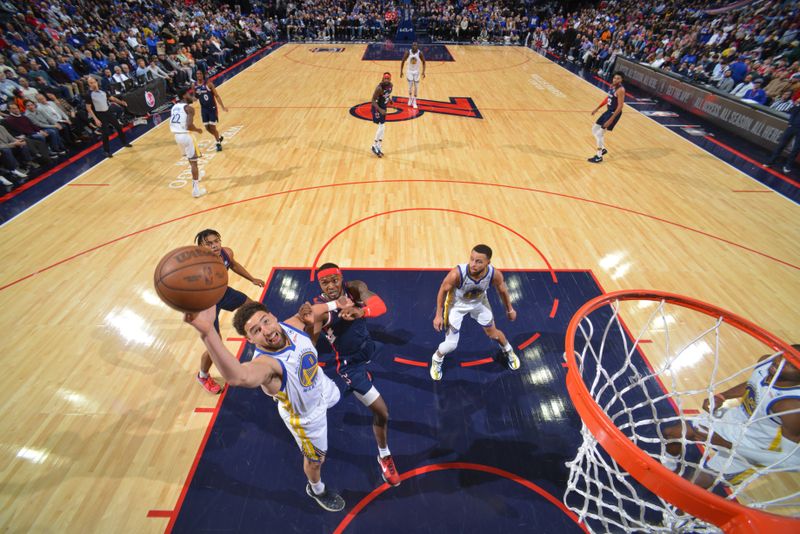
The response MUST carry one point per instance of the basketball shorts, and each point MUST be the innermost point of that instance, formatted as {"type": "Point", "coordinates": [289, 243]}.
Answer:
{"type": "Point", "coordinates": [378, 117]}
{"type": "Point", "coordinates": [413, 77]}
{"type": "Point", "coordinates": [607, 115]}
{"type": "Point", "coordinates": [353, 369]}
{"type": "Point", "coordinates": [310, 431]}
{"type": "Point", "coordinates": [231, 300]}
{"type": "Point", "coordinates": [477, 309]}
{"type": "Point", "coordinates": [188, 146]}
{"type": "Point", "coordinates": [210, 115]}
{"type": "Point", "coordinates": [731, 427]}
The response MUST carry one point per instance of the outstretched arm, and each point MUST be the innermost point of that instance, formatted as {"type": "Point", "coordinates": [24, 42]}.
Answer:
{"type": "Point", "coordinates": [448, 284]}
{"type": "Point", "coordinates": [239, 269]}
{"type": "Point", "coordinates": [502, 289]}
{"type": "Point", "coordinates": [249, 375]}
{"type": "Point", "coordinates": [373, 305]}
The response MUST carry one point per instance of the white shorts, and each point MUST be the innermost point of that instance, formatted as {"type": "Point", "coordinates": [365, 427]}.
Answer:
{"type": "Point", "coordinates": [730, 426]}
{"type": "Point", "coordinates": [412, 77]}
{"type": "Point", "coordinates": [477, 309]}
{"type": "Point", "coordinates": [188, 145]}
{"type": "Point", "coordinates": [310, 431]}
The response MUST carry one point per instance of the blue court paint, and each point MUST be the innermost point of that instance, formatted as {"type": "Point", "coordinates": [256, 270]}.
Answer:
{"type": "Point", "coordinates": [390, 51]}
{"type": "Point", "coordinates": [249, 477]}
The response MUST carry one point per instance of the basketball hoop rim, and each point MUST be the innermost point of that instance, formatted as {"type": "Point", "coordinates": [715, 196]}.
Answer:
{"type": "Point", "coordinates": [730, 516]}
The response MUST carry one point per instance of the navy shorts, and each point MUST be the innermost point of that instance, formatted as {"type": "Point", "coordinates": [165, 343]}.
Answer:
{"type": "Point", "coordinates": [607, 115]}
{"type": "Point", "coordinates": [231, 300]}
{"type": "Point", "coordinates": [353, 368]}
{"type": "Point", "coordinates": [378, 117]}
{"type": "Point", "coordinates": [209, 115]}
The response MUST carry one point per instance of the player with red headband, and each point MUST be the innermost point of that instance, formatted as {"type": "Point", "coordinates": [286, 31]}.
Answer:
{"type": "Point", "coordinates": [347, 333]}
{"type": "Point", "coordinates": [381, 99]}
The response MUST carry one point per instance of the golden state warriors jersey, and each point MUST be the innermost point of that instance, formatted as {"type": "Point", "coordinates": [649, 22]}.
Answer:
{"type": "Point", "coordinates": [469, 289]}
{"type": "Point", "coordinates": [304, 384]}
{"type": "Point", "coordinates": [757, 403]}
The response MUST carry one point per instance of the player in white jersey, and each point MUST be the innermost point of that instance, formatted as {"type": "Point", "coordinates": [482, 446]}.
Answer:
{"type": "Point", "coordinates": [284, 366]}
{"type": "Point", "coordinates": [414, 58]}
{"type": "Point", "coordinates": [759, 431]}
{"type": "Point", "coordinates": [181, 123]}
{"type": "Point", "coordinates": [465, 288]}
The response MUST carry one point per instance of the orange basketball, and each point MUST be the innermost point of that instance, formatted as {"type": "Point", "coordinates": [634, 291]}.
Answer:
{"type": "Point", "coordinates": [191, 279]}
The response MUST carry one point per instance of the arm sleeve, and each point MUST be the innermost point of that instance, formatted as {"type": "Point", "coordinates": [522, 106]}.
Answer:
{"type": "Point", "coordinates": [374, 307]}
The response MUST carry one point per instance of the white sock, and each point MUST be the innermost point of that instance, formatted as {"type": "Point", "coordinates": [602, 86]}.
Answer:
{"type": "Point", "coordinates": [317, 487]}
{"type": "Point", "coordinates": [438, 357]}
{"type": "Point", "coordinates": [201, 374]}
{"type": "Point", "coordinates": [599, 152]}
{"type": "Point", "coordinates": [384, 452]}
{"type": "Point", "coordinates": [507, 347]}
{"type": "Point", "coordinates": [195, 185]}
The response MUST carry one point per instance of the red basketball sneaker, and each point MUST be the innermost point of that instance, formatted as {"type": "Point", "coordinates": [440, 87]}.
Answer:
{"type": "Point", "coordinates": [389, 471]}
{"type": "Point", "coordinates": [209, 384]}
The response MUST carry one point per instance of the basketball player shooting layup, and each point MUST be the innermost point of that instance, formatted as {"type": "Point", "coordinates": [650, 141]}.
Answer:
{"type": "Point", "coordinates": [414, 58]}
{"type": "Point", "coordinates": [615, 99]}
{"type": "Point", "coordinates": [465, 288]}
{"type": "Point", "coordinates": [285, 367]}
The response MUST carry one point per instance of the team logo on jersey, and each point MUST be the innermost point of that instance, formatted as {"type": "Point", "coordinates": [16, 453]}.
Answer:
{"type": "Point", "coordinates": [307, 371]}
{"type": "Point", "coordinates": [472, 294]}
{"type": "Point", "coordinates": [149, 99]}
{"type": "Point", "coordinates": [460, 106]}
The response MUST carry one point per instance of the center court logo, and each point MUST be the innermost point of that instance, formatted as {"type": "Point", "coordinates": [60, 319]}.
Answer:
{"type": "Point", "coordinates": [460, 106]}
{"type": "Point", "coordinates": [307, 371]}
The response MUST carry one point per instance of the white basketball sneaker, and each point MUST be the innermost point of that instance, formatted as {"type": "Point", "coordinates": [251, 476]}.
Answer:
{"type": "Point", "coordinates": [436, 369]}
{"type": "Point", "coordinates": [513, 360]}
{"type": "Point", "coordinates": [198, 192]}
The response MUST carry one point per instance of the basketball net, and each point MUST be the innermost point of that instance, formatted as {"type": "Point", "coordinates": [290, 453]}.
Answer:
{"type": "Point", "coordinates": [631, 387]}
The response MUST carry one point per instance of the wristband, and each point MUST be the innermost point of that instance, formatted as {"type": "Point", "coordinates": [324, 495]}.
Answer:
{"type": "Point", "coordinates": [332, 306]}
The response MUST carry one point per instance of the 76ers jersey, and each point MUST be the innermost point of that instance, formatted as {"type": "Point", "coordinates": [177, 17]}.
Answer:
{"type": "Point", "coordinates": [304, 386]}
{"type": "Point", "coordinates": [204, 96]}
{"type": "Point", "coordinates": [469, 289]}
{"type": "Point", "coordinates": [612, 98]}
{"type": "Point", "coordinates": [386, 95]}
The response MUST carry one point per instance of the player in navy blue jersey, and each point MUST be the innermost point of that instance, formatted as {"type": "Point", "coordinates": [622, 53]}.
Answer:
{"type": "Point", "coordinates": [615, 99]}
{"type": "Point", "coordinates": [208, 97]}
{"type": "Point", "coordinates": [231, 301]}
{"type": "Point", "coordinates": [381, 99]}
{"type": "Point", "coordinates": [346, 330]}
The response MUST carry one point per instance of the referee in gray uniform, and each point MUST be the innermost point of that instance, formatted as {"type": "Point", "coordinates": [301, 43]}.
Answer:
{"type": "Point", "coordinates": [98, 109]}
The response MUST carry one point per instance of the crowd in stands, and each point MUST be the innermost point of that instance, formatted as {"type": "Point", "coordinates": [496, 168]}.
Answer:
{"type": "Point", "coordinates": [48, 49]}
{"type": "Point", "coordinates": [752, 53]}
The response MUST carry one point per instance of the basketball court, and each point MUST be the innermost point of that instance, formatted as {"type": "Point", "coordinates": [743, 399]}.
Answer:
{"type": "Point", "coordinates": [104, 426]}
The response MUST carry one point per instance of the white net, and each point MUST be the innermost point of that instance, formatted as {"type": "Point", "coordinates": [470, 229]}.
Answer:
{"type": "Point", "coordinates": [655, 383]}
